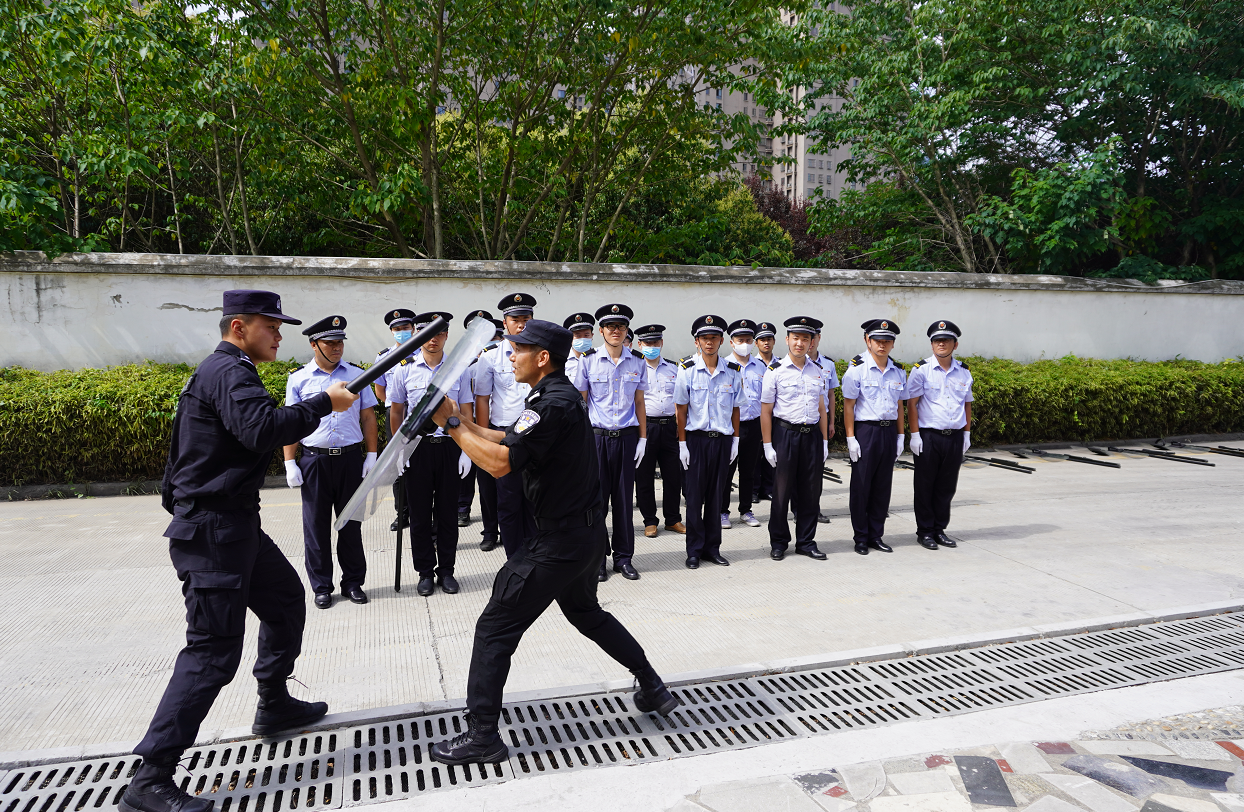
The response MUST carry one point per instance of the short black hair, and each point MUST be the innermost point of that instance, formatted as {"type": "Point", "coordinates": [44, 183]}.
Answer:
{"type": "Point", "coordinates": [227, 320]}
{"type": "Point", "coordinates": [558, 364]}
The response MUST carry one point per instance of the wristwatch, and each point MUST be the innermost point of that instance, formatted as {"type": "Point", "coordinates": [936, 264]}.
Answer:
{"type": "Point", "coordinates": [453, 423]}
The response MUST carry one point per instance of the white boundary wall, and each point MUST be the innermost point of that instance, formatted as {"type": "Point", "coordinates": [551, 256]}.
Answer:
{"type": "Point", "coordinates": [94, 310]}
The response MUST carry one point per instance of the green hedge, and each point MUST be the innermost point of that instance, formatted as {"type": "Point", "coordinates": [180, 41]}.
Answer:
{"type": "Point", "coordinates": [112, 424]}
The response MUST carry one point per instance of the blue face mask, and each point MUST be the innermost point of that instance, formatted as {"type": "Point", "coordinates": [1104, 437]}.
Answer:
{"type": "Point", "coordinates": [402, 336]}
{"type": "Point", "coordinates": [582, 344]}
{"type": "Point", "coordinates": [651, 353]}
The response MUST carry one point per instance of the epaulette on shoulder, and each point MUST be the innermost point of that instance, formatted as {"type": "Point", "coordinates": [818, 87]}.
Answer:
{"type": "Point", "coordinates": [637, 354]}
{"type": "Point", "coordinates": [857, 360]}
{"type": "Point", "coordinates": [827, 358]}
{"type": "Point", "coordinates": [295, 369]}
{"type": "Point", "coordinates": [382, 352]}
{"type": "Point", "coordinates": [920, 363]}
{"type": "Point", "coordinates": [687, 363]}
{"type": "Point", "coordinates": [817, 361]}
{"type": "Point", "coordinates": [474, 361]}
{"type": "Point", "coordinates": [404, 362]}
{"type": "Point", "coordinates": [733, 365]}
{"type": "Point", "coordinates": [961, 363]}
{"type": "Point", "coordinates": [590, 352]}
{"type": "Point", "coordinates": [776, 363]}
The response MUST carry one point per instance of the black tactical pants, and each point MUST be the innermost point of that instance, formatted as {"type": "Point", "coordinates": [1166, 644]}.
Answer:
{"type": "Point", "coordinates": [226, 564]}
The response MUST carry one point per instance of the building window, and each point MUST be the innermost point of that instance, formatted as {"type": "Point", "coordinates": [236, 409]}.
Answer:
{"type": "Point", "coordinates": [718, 105]}
{"type": "Point", "coordinates": [744, 96]}
{"type": "Point", "coordinates": [561, 94]}
{"type": "Point", "coordinates": [820, 178]}
{"type": "Point", "coordinates": [811, 178]}
{"type": "Point", "coordinates": [719, 93]}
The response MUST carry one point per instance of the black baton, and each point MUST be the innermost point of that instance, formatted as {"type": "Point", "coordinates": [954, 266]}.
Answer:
{"type": "Point", "coordinates": [392, 359]}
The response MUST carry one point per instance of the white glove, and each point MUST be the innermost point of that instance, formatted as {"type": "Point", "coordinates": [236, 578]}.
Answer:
{"type": "Point", "coordinates": [824, 450]}
{"type": "Point", "coordinates": [293, 475]}
{"type": "Point", "coordinates": [684, 454]}
{"type": "Point", "coordinates": [464, 465]}
{"type": "Point", "coordinates": [853, 449]}
{"type": "Point", "coordinates": [770, 454]}
{"type": "Point", "coordinates": [967, 441]}
{"type": "Point", "coordinates": [917, 443]}
{"type": "Point", "coordinates": [639, 450]}
{"type": "Point", "coordinates": [369, 462]}
{"type": "Point", "coordinates": [900, 439]}
{"type": "Point", "coordinates": [734, 448]}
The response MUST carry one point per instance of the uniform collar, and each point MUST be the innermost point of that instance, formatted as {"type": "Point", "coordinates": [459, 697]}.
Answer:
{"type": "Point", "coordinates": [316, 367]}
{"type": "Point", "coordinates": [699, 363]}
{"type": "Point", "coordinates": [869, 361]}
{"type": "Point", "coordinates": [545, 382]}
{"type": "Point", "coordinates": [954, 363]}
{"type": "Point", "coordinates": [787, 362]}
{"type": "Point", "coordinates": [234, 350]}
{"type": "Point", "coordinates": [421, 360]}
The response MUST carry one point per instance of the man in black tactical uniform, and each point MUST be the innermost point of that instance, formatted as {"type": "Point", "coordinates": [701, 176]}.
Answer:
{"type": "Point", "coordinates": [553, 446]}
{"type": "Point", "coordinates": [226, 429]}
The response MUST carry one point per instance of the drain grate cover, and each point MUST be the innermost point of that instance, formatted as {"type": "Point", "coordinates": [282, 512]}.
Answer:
{"type": "Point", "coordinates": [386, 761]}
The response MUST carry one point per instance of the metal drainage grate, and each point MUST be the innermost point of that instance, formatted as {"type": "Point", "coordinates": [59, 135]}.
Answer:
{"type": "Point", "coordinates": [389, 760]}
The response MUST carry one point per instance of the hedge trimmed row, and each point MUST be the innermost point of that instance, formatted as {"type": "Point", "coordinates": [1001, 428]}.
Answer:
{"type": "Point", "coordinates": [113, 424]}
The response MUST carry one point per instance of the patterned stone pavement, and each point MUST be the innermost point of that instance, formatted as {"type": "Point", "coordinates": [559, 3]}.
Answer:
{"type": "Point", "coordinates": [1177, 764]}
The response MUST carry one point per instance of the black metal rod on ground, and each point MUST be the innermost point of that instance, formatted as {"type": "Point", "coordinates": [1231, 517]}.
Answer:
{"type": "Point", "coordinates": [399, 501]}
{"type": "Point", "coordinates": [1230, 452]}
{"type": "Point", "coordinates": [1071, 458]}
{"type": "Point", "coordinates": [1222, 449]}
{"type": "Point", "coordinates": [1162, 455]}
{"type": "Point", "coordinates": [996, 463]}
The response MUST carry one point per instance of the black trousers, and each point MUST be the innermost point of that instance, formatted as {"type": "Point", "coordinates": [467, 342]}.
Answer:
{"type": "Point", "coordinates": [466, 490]}
{"type": "Point", "coordinates": [936, 479]}
{"type": "Point", "coordinates": [432, 493]}
{"type": "Point", "coordinates": [617, 486]}
{"type": "Point", "coordinates": [662, 450]}
{"type": "Point", "coordinates": [710, 464]}
{"type": "Point", "coordinates": [327, 484]}
{"type": "Point", "coordinates": [763, 484]}
{"type": "Point", "coordinates": [871, 477]}
{"type": "Point", "coordinates": [797, 476]}
{"type": "Point", "coordinates": [554, 566]}
{"type": "Point", "coordinates": [745, 463]}
{"type": "Point", "coordinates": [487, 503]}
{"type": "Point", "coordinates": [226, 564]}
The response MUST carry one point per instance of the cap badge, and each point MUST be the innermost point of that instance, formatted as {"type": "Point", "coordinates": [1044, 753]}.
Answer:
{"type": "Point", "coordinates": [278, 303]}
{"type": "Point", "coordinates": [336, 321]}
{"type": "Point", "coordinates": [885, 325]}
{"type": "Point", "coordinates": [708, 319]}
{"type": "Point", "coordinates": [613, 309]}
{"type": "Point", "coordinates": [518, 297]}
{"type": "Point", "coordinates": [396, 314]}
{"type": "Point", "coordinates": [941, 325]}
{"type": "Point", "coordinates": [803, 321]}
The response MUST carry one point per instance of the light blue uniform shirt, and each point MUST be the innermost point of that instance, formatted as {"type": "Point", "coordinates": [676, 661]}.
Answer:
{"type": "Point", "coordinates": [410, 381]}
{"type": "Point", "coordinates": [710, 397]}
{"type": "Point", "coordinates": [876, 392]}
{"type": "Point", "coordinates": [753, 382]}
{"type": "Point", "coordinates": [942, 393]}
{"type": "Point", "coordinates": [611, 387]}
{"type": "Point", "coordinates": [795, 393]}
{"type": "Point", "coordinates": [387, 378]}
{"type": "Point", "coordinates": [494, 379]}
{"type": "Point", "coordinates": [659, 399]}
{"type": "Point", "coordinates": [337, 429]}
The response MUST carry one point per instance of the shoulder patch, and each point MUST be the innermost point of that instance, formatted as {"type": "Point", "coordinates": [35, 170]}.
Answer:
{"type": "Point", "coordinates": [590, 352]}
{"type": "Point", "coordinates": [637, 354]}
{"type": "Point", "coordinates": [733, 365]}
{"type": "Point", "coordinates": [526, 420]}
{"type": "Point", "coordinates": [857, 360]}
{"type": "Point", "coordinates": [382, 352]}
{"type": "Point", "coordinates": [687, 363]}
{"type": "Point", "coordinates": [920, 363]}
{"type": "Point", "coordinates": [776, 363]}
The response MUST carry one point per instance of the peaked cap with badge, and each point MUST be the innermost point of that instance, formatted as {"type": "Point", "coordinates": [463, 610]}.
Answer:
{"type": "Point", "coordinates": [742, 327]}
{"type": "Point", "coordinates": [803, 324]}
{"type": "Point", "coordinates": [614, 313]}
{"type": "Point", "coordinates": [765, 330]}
{"type": "Point", "coordinates": [424, 319]}
{"type": "Point", "coordinates": [708, 325]}
{"type": "Point", "coordinates": [329, 328]}
{"type": "Point", "coordinates": [399, 314]}
{"type": "Point", "coordinates": [880, 328]}
{"type": "Point", "coordinates": [475, 314]}
{"type": "Point", "coordinates": [944, 329]}
{"type": "Point", "coordinates": [650, 332]}
{"type": "Point", "coordinates": [261, 302]}
{"type": "Point", "coordinates": [577, 321]}
{"type": "Point", "coordinates": [517, 304]}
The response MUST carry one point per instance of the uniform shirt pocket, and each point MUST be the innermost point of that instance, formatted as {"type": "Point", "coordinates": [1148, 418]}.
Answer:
{"type": "Point", "coordinates": [599, 376]}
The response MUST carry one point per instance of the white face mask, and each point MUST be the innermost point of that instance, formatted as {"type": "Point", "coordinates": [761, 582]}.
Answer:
{"type": "Point", "coordinates": [742, 350]}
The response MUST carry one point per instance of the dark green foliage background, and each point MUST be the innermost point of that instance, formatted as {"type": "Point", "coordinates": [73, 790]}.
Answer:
{"type": "Point", "coordinates": [113, 424]}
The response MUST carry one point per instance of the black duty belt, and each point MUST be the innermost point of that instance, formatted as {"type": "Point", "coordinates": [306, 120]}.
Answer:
{"type": "Point", "coordinates": [221, 504]}
{"type": "Point", "coordinates": [710, 434]}
{"type": "Point", "coordinates": [331, 452]}
{"type": "Point", "coordinates": [802, 428]}
{"type": "Point", "coordinates": [660, 421]}
{"type": "Point", "coordinates": [585, 519]}
{"type": "Point", "coordinates": [944, 432]}
{"type": "Point", "coordinates": [883, 423]}
{"type": "Point", "coordinates": [436, 438]}
{"type": "Point", "coordinates": [626, 432]}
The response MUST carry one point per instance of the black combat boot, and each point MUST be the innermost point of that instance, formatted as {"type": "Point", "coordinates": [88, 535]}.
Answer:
{"type": "Point", "coordinates": [154, 790]}
{"type": "Point", "coordinates": [279, 711]}
{"type": "Point", "coordinates": [481, 744]}
{"type": "Point", "coordinates": [653, 696]}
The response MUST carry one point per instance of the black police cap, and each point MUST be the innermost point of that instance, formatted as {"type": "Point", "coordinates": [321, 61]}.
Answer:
{"type": "Point", "coordinates": [544, 334]}
{"type": "Point", "coordinates": [880, 328]}
{"type": "Point", "coordinates": [499, 324]}
{"type": "Point", "coordinates": [650, 332]}
{"type": "Point", "coordinates": [944, 329]}
{"type": "Point", "coordinates": [742, 326]}
{"type": "Point", "coordinates": [708, 325]}
{"type": "Point", "coordinates": [424, 319]}
{"type": "Point", "coordinates": [329, 328]}
{"type": "Point", "coordinates": [517, 304]}
{"type": "Point", "coordinates": [614, 312]}
{"type": "Point", "coordinates": [802, 324]}
{"type": "Point", "coordinates": [399, 314]}
{"type": "Point", "coordinates": [261, 302]}
{"type": "Point", "coordinates": [475, 314]}
{"type": "Point", "coordinates": [765, 330]}
{"type": "Point", "coordinates": [577, 321]}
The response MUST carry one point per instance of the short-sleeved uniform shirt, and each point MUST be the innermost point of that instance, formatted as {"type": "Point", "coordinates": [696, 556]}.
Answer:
{"type": "Point", "coordinates": [831, 377]}
{"type": "Point", "coordinates": [553, 447]}
{"type": "Point", "coordinates": [795, 392]}
{"type": "Point", "coordinates": [753, 382]}
{"type": "Point", "coordinates": [336, 429]}
{"type": "Point", "coordinates": [412, 378]}
{"type": "Point", "coordinates": [942, 393]}
{"type": "Point", "coordinates": [876, 392]}
{"type": "Point", "coordinates": [611, 387]}
{"type": "Point", "coordinates": [494, 379]}
{"type": "Point", "coordinates": [659, 398]}
{"type": "Point", "coordinates": [710, 396]}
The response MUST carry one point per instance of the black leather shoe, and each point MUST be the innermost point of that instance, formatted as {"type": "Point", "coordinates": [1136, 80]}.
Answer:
{"type": "Point", "coordinates": [279, 711]}
{"type": "Point", "coordinates": [480, 744]}
{"type": "Point", "coordinates": [628, 571]}
{"type": "Point", "coordinates": [822, 518]}
{"type": "Point", "coordinates": [404, 523]}
{"type": "Point", "coordinates": [693, 563]}
{"type": "Point", "coordinates": [815, 554]}
{"type": "Point", "coordinates": [355, 594]}
{"type": "Point", "coordinates": [448, 584]}
{"type": "Point", "coordinates": [878, 544]}
{"type": "Point", "coordinates": [323, 600]}
{"type": "Point", "coordinates": [154, 790]}
{"type": "Point", "coordinates": [945, 540]}
{"type": "Point", "coordinates": [488, 545]}
{"type": "Point", "coordinates": [426, 586]}
{"type": "Point", "coordinates": [776, 554]}
{"type": "Point", "coordinates": [862, 549]}
{"type": "Point", "coordinates": [464, 519]}
{"type": "Point", "coordinates": [718, 559]}
{"type": "Point", "coordinates": [603, 574]}
{"type": "Point", "coordinates": [927, 542]}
